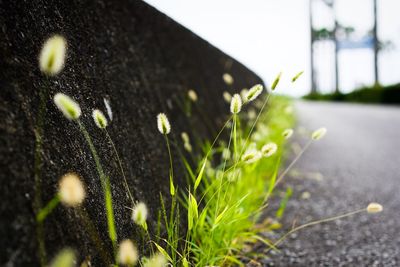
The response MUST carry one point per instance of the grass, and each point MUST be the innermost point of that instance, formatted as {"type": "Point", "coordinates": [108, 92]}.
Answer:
{"type": "Point", "coordinates": [229, 187]}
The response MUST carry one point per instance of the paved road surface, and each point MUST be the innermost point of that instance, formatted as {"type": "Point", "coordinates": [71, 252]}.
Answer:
{"type": "Point", "coordinates": [359, 160]}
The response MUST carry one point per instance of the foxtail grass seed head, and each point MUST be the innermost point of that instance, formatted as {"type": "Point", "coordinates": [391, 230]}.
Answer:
{"type": "Point", "coordinates": [233, 176]}
{"type": "Point", "coordinates": [139, 214]}
{"type": "Point", "coordinates": [236, 104]}
{"type": "Point", "coordinates": [287, 133]}
{"type": "Point", "coordinates": [99, 119]}
{"type": "Point", "coordinates": [185, 137]}
{"type": "Point", "coordinates": [251, 114]}
{"type": "Point", "coordinates": [243, 94]}
{"type": "Point", "coordinates": [226, 154]}
{"type": "Point", "coordinates": [65, 258]}
{"type": "Point", "coordinates": [228, 79]}
{"type": "Point", "coordinates": [127, 253]}
{"type": "Point", "coordinates": [67, 106]}
{"type": "Point", "coordinates": [227, 97]}
{"type": "Point", "coordinates": [253, 92]}
{"type": "Point", "coordinates": [52, 55]}
{"type": "Point", "coordinates": [192, 95]}
{"type": "Point", "coordinates": [297, 76]}
{"type": "Point", "coordinates": [71, 190]}
{"type": "Point", "coordinates": [276, 81]}
{"type": "Point", "coordinates": [163, 124]}
{"type": "Point", "coordinates": [157, 260]}
{"type": "Point", "coordinates": [251, 156]}
{"type": "Point", "coordinates": [374, 208]}
{"type": "Point", "coordinates": [269, 149]}
{"type": "Point", "coordinates": [187, 147]}
{"type": "Point", "coordinates": [319, 133]}
{"type": "Point", "coordinates": [108, 108]}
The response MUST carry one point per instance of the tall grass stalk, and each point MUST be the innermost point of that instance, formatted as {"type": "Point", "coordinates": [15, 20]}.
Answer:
{"type": "Point", "coordinates": [105, 185]}
{"type": "Point", "coordinates": [119, 165]}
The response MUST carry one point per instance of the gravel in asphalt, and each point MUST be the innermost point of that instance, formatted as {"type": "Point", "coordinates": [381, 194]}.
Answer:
{"type": "Point", "coordinates": [356, 163]}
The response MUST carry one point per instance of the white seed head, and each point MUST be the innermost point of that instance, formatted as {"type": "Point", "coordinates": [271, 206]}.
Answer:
{"type": "Point", "coordinates": [157, 260]}
{"type": "Point", "coordinates": [226, 154]}
{"type": "Point", "coordinates": [67, 106]}
{"type": "Point", "coordinates": [65, 258]}
{"type": "Point", "coordinates": [243, 94]}
{"type": "Point", "coordinates": [228, 79]}
{"type": "Point", "coordinates": [227, 97]}
{"type": "Point", "coordinates": [269, 149]}
{"type": "Point", "coordinates": [235, 175]}
{"type": "Point", "coordinates": [254, 92]}
{"type": "Point", "coordinates": [319, 133]}
{"type": "Point", "coordinates": [374, 208]}
{"type": "Point", "coordinates": [187, 147]}
{"type": "Point", "coordinates": [192, 95]}
{"type": "Point", "coordinates": [251, 156]}
{"type": "Point", "coordinates": [99, 119]}
{"type": "Point", "coordinates": [185, 137]}
{"type": "Point", "coordinates": [71, 190]}
{"type": "Point", "coordinates": [139, 214]}
{"type": "Point", "coordinates": [236, 104]}
{"type": "Point", "coordinates": [251, 114]}
{"type": "Point", "coordinates": [108, 108]}
{"type": "Point", "coordinates": [52, 55]}
{"type": "Point", "coordinates": [287, 133]}
{"type": "Point", "coordinates": [127, 253]}
{"type": "Point", "coordinates": [163, 123]}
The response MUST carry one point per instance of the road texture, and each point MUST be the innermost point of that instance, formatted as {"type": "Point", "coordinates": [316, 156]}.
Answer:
{"type": "Point", "coordinates": [357, 162]}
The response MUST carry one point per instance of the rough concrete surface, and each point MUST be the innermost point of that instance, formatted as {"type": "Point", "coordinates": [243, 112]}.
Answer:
{"type": "Point", "coordinates": [127, 52]}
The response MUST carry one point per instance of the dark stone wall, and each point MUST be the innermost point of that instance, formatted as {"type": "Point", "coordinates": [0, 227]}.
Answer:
{"type": "Point", "coordinates": [125, 51]}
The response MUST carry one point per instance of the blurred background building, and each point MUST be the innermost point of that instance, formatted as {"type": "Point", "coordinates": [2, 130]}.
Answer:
{"type": "Point", "coordinates": [354, 43]}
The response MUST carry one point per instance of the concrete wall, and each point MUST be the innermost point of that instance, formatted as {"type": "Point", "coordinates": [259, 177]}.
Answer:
{"type": "Point", "coordinates": [125, 51]}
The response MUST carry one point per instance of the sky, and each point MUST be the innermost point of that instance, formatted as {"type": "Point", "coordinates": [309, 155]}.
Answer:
{"type": "Point", "coordinates": [270, 36]}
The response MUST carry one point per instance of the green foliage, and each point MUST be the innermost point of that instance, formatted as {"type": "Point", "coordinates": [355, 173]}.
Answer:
{"type": "Point", "coordinates": [229, 194]}
{"type": "Point", "coordinates": [375, 94]}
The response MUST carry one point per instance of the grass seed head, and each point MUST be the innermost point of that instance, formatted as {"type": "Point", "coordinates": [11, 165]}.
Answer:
{"type": "Point", "coordinates": [253, 92]}
{"type": "Point", "coordinates": [65, 258]}
{"type": "Point", "coordinates": [287, 133]}
{"type": "Point", "coordinates": [276, 81]}
{"type": "Point", "coordinates": [185, 137]}
{"type": "Point", "coordinates": [139, 214]}
{"type": "Point", "coordinates": [71, 190]}
{"type": "Point", "coordinates": [227, 97]}
{"type": "Point", "coordinates": [127, 253]}
{"type": "Point", "coordinates": [157, 260]}
{"type": "Point", "coordinates": [269, 149]}
{"type": "Point", "coordinates": [251, 156]}
{"type": "Point", "coordinates": [192, 95]}
{"type": "Point", "coordinates": [297, 76]}
{"type": "Point", "coordinates": [67, 106]}
{"type": "Point", "coordinates": [374, 208]}
{"type": "Point", "coordinates": [99, 119]}
{"type": "Point", "coordinates": [236, 104]}
{"type": "Point", "coordinates": [163, 124]}
{"type": "Point", "coordinates": [52, 55]}
{"type": "Point", "coordinates": [228, 79]}
{"type": "Point", "coordinates": [319, 133]}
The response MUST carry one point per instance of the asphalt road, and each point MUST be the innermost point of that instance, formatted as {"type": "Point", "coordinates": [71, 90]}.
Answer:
{"type": "Point", "coordinates": [357, 162]}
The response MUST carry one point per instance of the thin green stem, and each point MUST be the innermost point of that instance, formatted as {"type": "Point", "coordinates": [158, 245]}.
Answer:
{"type": "Point", "coordinates": [314, 223]}
{"type": "Point", "coordinates": [120, 165]}
{"type": "Point", "coordinates": [171, 168]}
{"type": "Point", "coordinates": [254, 124]}
{"type": "Point", "coordinates": [42, 214]}
{"type": "Point", "coordinates": [282, 175]}
{"type": "Point", "coordinates": [105, 184]}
